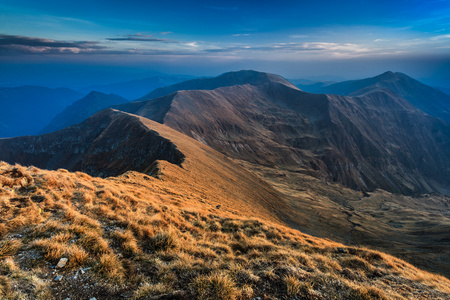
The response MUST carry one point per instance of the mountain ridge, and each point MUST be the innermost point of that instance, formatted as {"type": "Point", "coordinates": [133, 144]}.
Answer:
{"type": "Point", "coordinates": [273, 123]}
{"type": "Point", "coordinates": [432, 101]}
{"type": "Point", "coordinates": [112, 142]}
{"type": "Point", "coordinates": [225, 79]}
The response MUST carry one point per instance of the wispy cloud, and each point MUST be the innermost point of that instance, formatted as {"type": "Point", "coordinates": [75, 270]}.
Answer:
{"type": "Point", "coordinates": [299, 36]}
{"type": "Point", "coordinates": [149, 45]}
{"type": "Point", "coordinates": [440, 37]}
{"type": "Point", "coordinates": [281, 48]}
{"type": "Point", "coordinates": [141, 38]}
{"type": "Point", "coordinates": [14, 44]}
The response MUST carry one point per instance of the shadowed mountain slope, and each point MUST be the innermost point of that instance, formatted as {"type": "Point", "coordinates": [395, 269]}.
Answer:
{"type": "Point", "coordinates": [26, 110]}
{"type": "Point", "coordinates": [82, 109]}
{"type": "Point", "coordinates": [377, 140]}
{"type": "Point", "coordinates": [430, 100]}
{"type": "Point", "coordinates": [112, 142]}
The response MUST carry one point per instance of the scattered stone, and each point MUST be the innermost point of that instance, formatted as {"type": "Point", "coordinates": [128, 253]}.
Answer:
{"type": "Point", "coordinates": [58, 278]}
{"type": "Point", "coordinates": [218, 206]}
{"type": "Point", "coordinates": [62, 262]}
{"type": "Point", "coordinates": [340, 250]}
{"type": "Point", "coordinates": [93, 298]}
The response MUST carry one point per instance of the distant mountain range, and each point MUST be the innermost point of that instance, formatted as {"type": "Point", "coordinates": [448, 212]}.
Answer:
{"type": "Point", "coordinates": [432, 101]}
{"type": "Point", "coordinates": [26, 110]}
{"type": "Point", "coordinates": [134, 89]}
{"type": "Point", "coordinates": [82, 109]}
{"type": "Point", "coordinates": [445, 90]}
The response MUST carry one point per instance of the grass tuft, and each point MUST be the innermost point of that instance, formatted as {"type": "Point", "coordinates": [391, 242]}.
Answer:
{"type": "Point", "coordinates": [9, 248]}
{"type": "Point", "coordinates": [216, 286]}
{"type": "Point", "coordinates": [162, 241]}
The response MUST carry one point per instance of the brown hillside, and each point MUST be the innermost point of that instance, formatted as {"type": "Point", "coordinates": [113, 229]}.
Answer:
{"type": "Point", "coordinates": [112, 142]}
{"type": "Point", "coordinates": [140, 237]}
{"type": "Point", "coordinates": [412, 228]}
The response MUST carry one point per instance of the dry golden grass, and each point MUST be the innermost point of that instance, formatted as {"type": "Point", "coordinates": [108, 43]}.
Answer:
{"type": "Point", "coordinates": [140, 236]}
{"type": "Point", "coordinates": [214, 286]}
{"type": "Point", "coordinates": [9, 248]}
{"type": "Point", "coordinates": [412, 228]}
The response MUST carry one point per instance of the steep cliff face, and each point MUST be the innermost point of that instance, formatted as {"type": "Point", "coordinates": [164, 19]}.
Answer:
{"type": "Point", "coordinates": [390, 143]}
{"type": "Point", "coordinates": [375, 140]}
{"type": "Point", "coordinates": [107, 144]}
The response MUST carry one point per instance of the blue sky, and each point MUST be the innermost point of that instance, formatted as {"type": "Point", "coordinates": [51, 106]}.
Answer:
{"type": "Point", "coordinates": [297, 39]}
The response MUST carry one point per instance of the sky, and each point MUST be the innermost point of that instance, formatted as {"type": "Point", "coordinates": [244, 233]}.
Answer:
{"type": "Point", "coordinates": [86, 42]}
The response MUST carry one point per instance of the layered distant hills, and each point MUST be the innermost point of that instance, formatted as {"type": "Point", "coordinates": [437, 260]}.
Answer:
{"type": "Point", "coordinates": [82, 109]}
{"type": "Point", "coordinates": [134, 89]}
{"type": "Point", "coordinates": [430, 100]}
{"type": "Point", "coordinates": [27, 109]}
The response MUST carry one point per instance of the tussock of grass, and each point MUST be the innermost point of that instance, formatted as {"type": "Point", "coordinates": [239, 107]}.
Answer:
{"type": "Point", "coordinates": [133, 234]}
{"type": "Point", "coordinates": [162, 241]}
{"type": "Point", "coordinates": [149, 289]}
{"type": "Point", "coordinates": [296, 287]}
{"type": "Point", "coordinates": [9, 248]}
{"type": "Point", "coordinates": [127, 242]}
{"type": "Point", "coordinates": [214, 286]}
{"type": "Point", "coordinates": [53, 251]}
{"type": "Point", "coordinates": [109, 266]}
{"type": "Point", "coordinates": [94, 243]}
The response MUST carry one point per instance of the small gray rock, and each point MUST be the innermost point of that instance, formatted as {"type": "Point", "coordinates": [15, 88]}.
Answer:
{"type": "Point", "coordinates": [62, 262]}
{"type": "Point", "coordinates": [58, 278]}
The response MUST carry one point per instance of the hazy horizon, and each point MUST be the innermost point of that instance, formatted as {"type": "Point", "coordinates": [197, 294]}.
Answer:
{"type": "Point", "coordinates": [52, 43]}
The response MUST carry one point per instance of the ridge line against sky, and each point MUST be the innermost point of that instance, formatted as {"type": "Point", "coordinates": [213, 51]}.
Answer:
{"type": "Point", "coordinates": [293, 38]}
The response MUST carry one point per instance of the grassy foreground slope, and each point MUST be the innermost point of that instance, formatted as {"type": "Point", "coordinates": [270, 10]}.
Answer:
{"type": "Point", "coordinates": [141, 237]}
